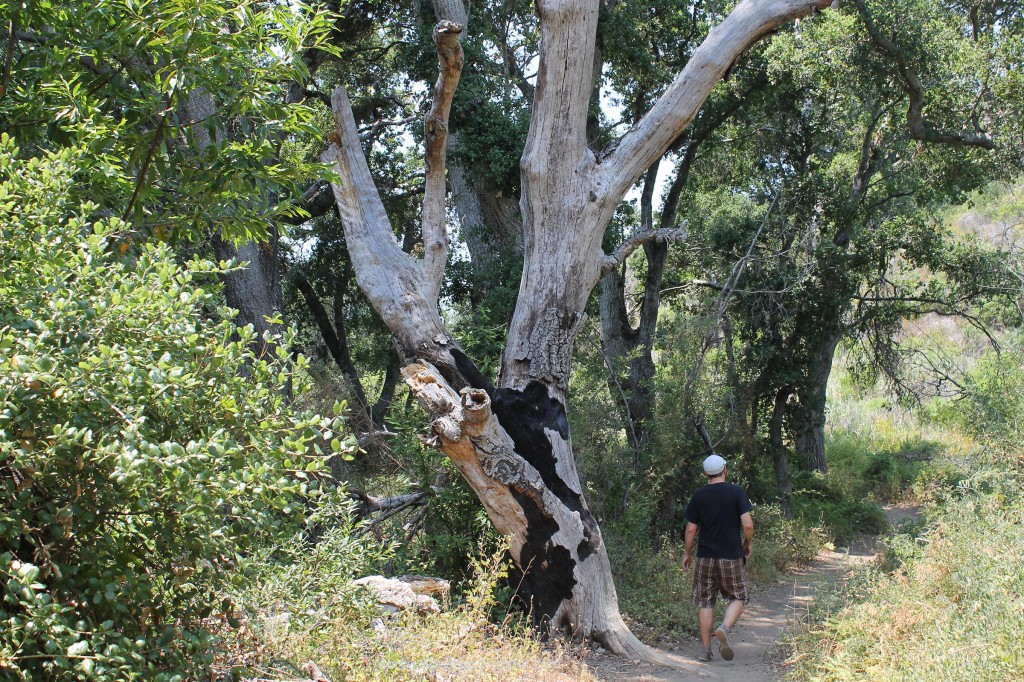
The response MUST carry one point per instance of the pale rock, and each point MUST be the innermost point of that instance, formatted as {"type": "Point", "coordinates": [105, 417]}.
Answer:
{"type": "Point", "coordinates": [397, 595]}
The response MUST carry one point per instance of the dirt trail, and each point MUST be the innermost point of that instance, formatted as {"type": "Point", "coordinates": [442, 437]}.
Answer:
{"type": "Point", "coordinates": [772, 609]}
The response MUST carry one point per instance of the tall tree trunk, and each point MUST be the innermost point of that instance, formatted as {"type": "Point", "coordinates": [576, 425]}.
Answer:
{"type": "Point", "coordinates": [809, 415]}
{"type": "Point", "coordinates": [255, 289]}
{"type": "Point", "coordinates": [511, 442]}
{"type": "Point", "coordinates": [780, 454]}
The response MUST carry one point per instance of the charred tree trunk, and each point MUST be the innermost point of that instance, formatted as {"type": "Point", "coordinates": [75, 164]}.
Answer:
{"type": "Point", "coordinates": [511, 441]}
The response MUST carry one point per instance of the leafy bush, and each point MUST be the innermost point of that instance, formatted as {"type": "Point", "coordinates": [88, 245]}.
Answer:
{"type": "Point", "coordinates": [652, 586]}
{"type": "Point", "coordinates": [137, 466]}
{"type": "Point", "coordinates": [780, 543]}
{"type": "Point", "coordinates": [994, 397]}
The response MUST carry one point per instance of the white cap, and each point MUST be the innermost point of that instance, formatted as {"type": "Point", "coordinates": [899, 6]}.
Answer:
{"type": "Point", "coordinates": [714, 465]}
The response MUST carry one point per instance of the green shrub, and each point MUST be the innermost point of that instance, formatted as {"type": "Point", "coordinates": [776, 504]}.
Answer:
{"type": "Point", "coordinates": [993, 404]}
{"type": "Point", "coordinates": [780, 543]}
{"type": "Point", "coordinates": [137, 466]}
{"type": "Point", "coordinates": [652, 585]}
{"type": "Point", "coordinates": [819, 502]}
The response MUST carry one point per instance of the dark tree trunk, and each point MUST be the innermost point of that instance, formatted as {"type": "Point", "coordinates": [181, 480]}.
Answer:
{"type": "Point", "coordinates": [254, 290]}
{"type": "Point", "coordinates": [780, 454]}
{"type": "Point", "coordinates": [335, 338]}
{"type": "Point", "coordinates": [808, 419]}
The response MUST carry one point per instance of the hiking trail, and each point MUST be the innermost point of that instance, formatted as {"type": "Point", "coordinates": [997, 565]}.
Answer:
{"type": "Point", "coordinates": [772, 609]}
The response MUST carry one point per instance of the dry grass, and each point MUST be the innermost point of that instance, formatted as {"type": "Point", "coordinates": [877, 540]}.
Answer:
{"type": "Point", "coordinates": [953, 611]}
{"type": "Point", "coordinates": [349, 639]}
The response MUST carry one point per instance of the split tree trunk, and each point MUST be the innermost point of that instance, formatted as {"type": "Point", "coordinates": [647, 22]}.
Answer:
{"type": "Point", "coordinates": [511, 442]}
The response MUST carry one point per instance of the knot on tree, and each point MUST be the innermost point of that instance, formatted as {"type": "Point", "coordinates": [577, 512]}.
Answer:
{"type": "Point", "coordinates": [446, 39]}
{"type": "Point", "coordinates": [435, 126]}
{"type": "Point", "coordinates": [505, 466]}
{"type": "Point", "coordinates": [446, 27]}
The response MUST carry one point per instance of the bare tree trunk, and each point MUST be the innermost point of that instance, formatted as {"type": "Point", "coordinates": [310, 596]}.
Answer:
{"type": "Point", "coordinates": [511, 442]}
{"type": "Point", "coordinates": [336, 339]}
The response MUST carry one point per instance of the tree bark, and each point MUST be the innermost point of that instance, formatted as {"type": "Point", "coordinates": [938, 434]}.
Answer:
{"type": "Point", "coordinates": [780, 454]}
{"type": "Point", "coordinates": [511, 442]}
{"type": "Point", "coordinates": [255, 289]}
{"type": "Point", "coordinates": [809, 415]}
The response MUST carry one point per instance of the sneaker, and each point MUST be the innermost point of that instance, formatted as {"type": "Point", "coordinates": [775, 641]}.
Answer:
{"type": "Point", "coordinates": [723, 643]}
{"type": "Point", "coordinates": [704, 656]}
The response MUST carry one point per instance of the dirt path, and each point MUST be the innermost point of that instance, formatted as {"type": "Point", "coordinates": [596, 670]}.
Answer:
{"type": "Point", "coordinates": [773, 608]}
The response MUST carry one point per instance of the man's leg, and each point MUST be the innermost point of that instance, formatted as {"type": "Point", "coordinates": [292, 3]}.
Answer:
{"type": "Point", "coordinates": [703, 597]}
{"type": "Point", "coordinates": [734, 588]}
{"type": "Point", "coordinates": [732, 613]}
{"type": "Point", "coordinates": [706, 620]}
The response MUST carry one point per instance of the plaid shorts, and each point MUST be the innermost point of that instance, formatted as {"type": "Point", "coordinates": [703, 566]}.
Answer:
{"type": "Point", "coordinates": [711, 576]}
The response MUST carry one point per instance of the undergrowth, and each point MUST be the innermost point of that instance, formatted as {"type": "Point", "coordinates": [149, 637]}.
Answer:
{"type": "Point", "coordinates": [302, 607]}
{"type": "Point", "coordinates": [952, 610]}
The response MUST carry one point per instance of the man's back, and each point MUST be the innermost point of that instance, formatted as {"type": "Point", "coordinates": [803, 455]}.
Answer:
{"type": "Point", "coordinates": [716, 508]}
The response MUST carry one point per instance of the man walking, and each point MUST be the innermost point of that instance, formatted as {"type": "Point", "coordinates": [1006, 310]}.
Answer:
{"type": "Point", "coordinates": [722, 512]}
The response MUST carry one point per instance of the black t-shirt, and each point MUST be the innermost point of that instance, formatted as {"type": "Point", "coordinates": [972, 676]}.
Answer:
{"type": "Point", "coordinates": [716, 508]}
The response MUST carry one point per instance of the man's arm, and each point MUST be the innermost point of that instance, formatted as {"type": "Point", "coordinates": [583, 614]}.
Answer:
{"type": "Point", "coordinates": [691, 535]}
{"type": "Point", "coordinates": [748, 533]}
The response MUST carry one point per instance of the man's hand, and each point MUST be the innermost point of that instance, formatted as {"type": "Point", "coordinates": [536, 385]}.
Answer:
{"type": "Point", "coordinates": [687, 560]}
{"type": "Point", "coordinates": [747, 547]}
